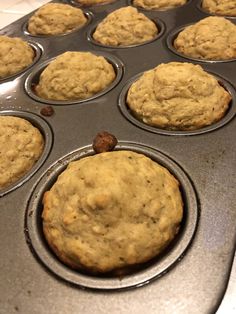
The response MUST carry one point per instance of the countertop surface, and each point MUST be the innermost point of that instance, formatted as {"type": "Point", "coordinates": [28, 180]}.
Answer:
{"type": "Point", "coordinates": [12, 10]}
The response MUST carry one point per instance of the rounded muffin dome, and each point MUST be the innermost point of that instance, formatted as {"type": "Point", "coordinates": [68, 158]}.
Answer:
{"type": "Point", "coordinates": [15, 55]}
{"type": "Point", "coordinates": [222, 7]}
{"type": "Point", "coordinates": [21, 146]}
{"type": "Point", "coordinates": [56, 19]}
{"type": "Point", "coordinates": [125, 26]}
{"type": "Point", "coordinates": [111, 211]}
{"type": "Point", "coordinates": [75, 75]}
{"type": "Point", "coordinates": [178, 96]}
{"type": "Point", "coordinates": [213, 38]}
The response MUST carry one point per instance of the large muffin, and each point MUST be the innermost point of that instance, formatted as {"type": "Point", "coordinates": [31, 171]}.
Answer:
{"type": "Point", "coordinates": [222, 7]}
{"type": "Point", "coordinates": [21, 145]}
{"type": "Point", "coordinates": [213, 38]}
{"type": "Point", "coordinates": [178, 96]}
{"type": "Point", "coordinates": [56, 19]}
{"type": "Point", "coordinates": [111, 211]}
{"type": "Point", "coordinates": [158, 4]}
{"type": "Point", "coordinates": [125, 26]}
{"type": "Point", "coordinates": [15, 55]}
{"type": "Point", "coordinates": [75, 75]}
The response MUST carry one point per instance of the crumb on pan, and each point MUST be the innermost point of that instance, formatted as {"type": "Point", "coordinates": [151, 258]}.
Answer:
{"type": "Point", "coordinates": [104, 142]}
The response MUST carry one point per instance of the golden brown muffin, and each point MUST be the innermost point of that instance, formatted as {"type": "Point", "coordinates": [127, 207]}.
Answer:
{"type": "Point", "coordinates": [93, 2]}
{"type": "Point", "coordinates": [178, 96]}
{"type": "Point", "coordinates": [125, 26]}
{"type": "Point", "coordinates": [21, 145]}
{"type": "Point", "coordinates": [15, 55]}
{"type": "Point", "coordinates": [111, 211]}
{"type": "Point", "coordinates": [75, 75]}
{"type": "Point", "coordinates": [222, 7]}
{"type": "Point", "coordinates": [213, 38]}
{"type": "Point", "coordinates": [158, 4]}
{"type": "Point", "coordinates": [56, 19]}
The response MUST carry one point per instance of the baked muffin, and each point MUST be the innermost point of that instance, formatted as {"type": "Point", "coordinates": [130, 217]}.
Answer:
{"type": "Point", "coordinates": [111, 211]}
{"type": "Point", "coordinates": [15, 55]}
{"type": "Point", "coordinates": [178, 96]}
{"type": "Point", "coordinates": [93, 2]}
{"type": "Point", "coordinates": [56, 19]}
{"type": "Point", "coordinates": [75, 75]}
{"type": "Point", "coordinates": [213, 38]}
{"type": "Point", "coordinates": [21, 145]}
{"type": "Point", "coordinates": [158, 4]}
{"type": "Point", "coordinates": [222, 7]}
{"type": "Point", "coordinates": [125, 26]}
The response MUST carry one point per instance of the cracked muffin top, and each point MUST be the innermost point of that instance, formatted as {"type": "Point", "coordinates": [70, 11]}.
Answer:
{"type": "Point", "coordinates": [178, 96]}
{"type": "Point", "coordinates": [213, 38]}
{"type": "Point", "coordinates": [125, 26]}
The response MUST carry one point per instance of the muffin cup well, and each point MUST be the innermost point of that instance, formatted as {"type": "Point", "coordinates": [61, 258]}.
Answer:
{"type": "Point", "coordinates": [227, 117]}
{"type": "Point", "coordinates": [45, 130]}
{"type": "Point", "coordinates": [33, 80]}
{"type": "Point", "coordinates": [160, 26]}
{"type": "Point", "coordinates": [199, 6]}
{"type": "Point", "coordinates": [170, 44]}
{"type": "Point", "coordinates": [37, 54]}
{"type": "Point", "coordinates": [131, 2]}
{"type": "Point", "coordinates": [145, 272]}
{"type": "Point", "coordinates": [88, 15]}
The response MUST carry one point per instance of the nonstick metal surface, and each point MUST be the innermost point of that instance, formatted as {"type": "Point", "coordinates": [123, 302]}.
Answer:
{"type": "Point", "coordinates": [192, 274]}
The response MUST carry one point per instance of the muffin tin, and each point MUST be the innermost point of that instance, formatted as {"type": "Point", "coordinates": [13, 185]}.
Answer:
{"type": "Point", "coordinates": [192, 273]}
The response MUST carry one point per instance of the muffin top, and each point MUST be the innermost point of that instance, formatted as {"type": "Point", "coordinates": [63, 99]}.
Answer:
{"type": "Point", "coordinates": [111, 211]}
{"type": "Point", "coordinates": [15, 55]}
{"type": "Point", "coordinates": [75, 75]}
{"type": "Point", "coordinates": [21, 146]}
{"type": "Point", "coordinates": [222, 7]}
{"type": "Point", "coordinates": [158, 4]}
{"type": "Point", "coordinates": [178, 96]}
{"type": "Point", "coordinates": [125, 26]}
{"type": "Point", "coordinates": [94, 2]}
{"type": "Point", "coordinates": [213, 38]}
{"type": "Point", "coordinates": [56, 19]}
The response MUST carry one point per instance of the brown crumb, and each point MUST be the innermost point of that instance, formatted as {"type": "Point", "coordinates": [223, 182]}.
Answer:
{"type": "Point", "coordinates": [104, 142]}
{"type": "Point", "coordinates": [47, 111]}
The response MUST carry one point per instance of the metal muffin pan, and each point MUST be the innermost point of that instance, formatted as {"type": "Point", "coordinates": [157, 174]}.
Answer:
{"type": "Point", "coordinates": [191, 276]}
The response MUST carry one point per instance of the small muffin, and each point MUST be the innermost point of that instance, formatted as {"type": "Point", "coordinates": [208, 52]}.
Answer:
{"type": "Point", "coordinates": [111, 211]}
{"type": "Point", "coordinates": [56, 19]}
{"type": "Point", "coordinates": [75, 75]}
{"type": "Point", "coordinates": [178, 96]}
{"type": "Point", "coordinates": [213, 38]}
{"type": "Point", "coordinates": [158, 4]}
{"type": "Point", "coordinates": [222, 7]}
{"type": "Point", "coordinates": [21, 145]}
{"type": "Point", "coordinates": [93, 2]}
{"type": "Point", "coordinates": [15, 55]}
{"type": "Point", "coordinates": [125, 26]}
